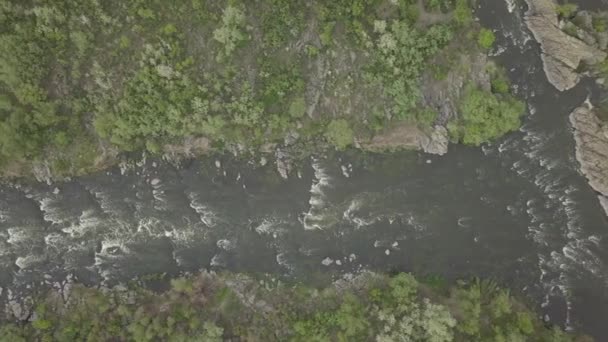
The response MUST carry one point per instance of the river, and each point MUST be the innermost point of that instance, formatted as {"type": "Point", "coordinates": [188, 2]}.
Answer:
{"type": "Point", "coordinates": [517, 211]}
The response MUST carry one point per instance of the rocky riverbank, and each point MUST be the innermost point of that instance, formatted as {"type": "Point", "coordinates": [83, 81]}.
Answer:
{"type": "Point", "coordinates": [562, 54]}
{"type": "Point", "coordinates": [591, 137]}
{"type": "Point", "coordinates": [229, 307]}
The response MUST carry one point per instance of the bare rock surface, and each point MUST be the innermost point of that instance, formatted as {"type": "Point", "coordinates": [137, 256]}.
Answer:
{"type": "Point", "coordinates": [591, 137]}
{"type": "Point", "coordinates": [409, 136]}
{"type": "Point", "coordinates": [561, 54]}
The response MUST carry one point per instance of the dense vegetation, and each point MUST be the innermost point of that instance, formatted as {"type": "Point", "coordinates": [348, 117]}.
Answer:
{"type": "Point", "coordinates": [486, 115]}
{"type": "Point", "coordinates": [82, 80]}
{"type": "Point", "coordinates": [212, 308]}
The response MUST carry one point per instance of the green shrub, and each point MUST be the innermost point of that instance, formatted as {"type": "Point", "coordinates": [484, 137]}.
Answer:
{"type": "Point", "coordinates": [462, 13]}
{"type": "Point", "coordinates": [486, 116]}
{"type": "Point", "coordinates": [339, 133]}
{"type": "Point", "coordinates": [204, 308]}
{"type": "Point", "coordinates": [297, 108]}
{"type": "Point", "coordinates": [486, 38]}
{"type": "Point", "coordinates": [566, 10]}
{"type": "Point", "coordinates": [230, 32]}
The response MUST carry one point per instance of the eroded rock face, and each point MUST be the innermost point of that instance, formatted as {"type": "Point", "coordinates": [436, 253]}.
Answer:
{"type": "Point", "coordinates": [561, 54]}
{"type": "Point", "coordinates": [444, 95]}
{"type": "Point", "coordinates": [591, 137]}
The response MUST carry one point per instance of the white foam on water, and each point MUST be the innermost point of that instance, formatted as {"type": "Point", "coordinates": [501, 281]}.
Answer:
{"type": "Point", "coordinates": [88, 222]}
{"type": "Point", "coordinates": [207, 215]}
{"type": "Point", "coordinates": [351, 216]}
{"type": "Point", "coordinates": [464, 222]}
{"type": "Point", "coordinates": [20, 235]}
{"type": "Point", "coordinates": [29, 261]}
{"type": "Point", "coordinates": [160, 200]}
{"type": "Point", "coordinates": [226, 244]}
{"type": "Point", "coordinates": [105, 201]}
{"type": "Point", "coordinates": [556, 225]}
{"type": "Point", "coordinates": [347, 170]}
{"type": "Point", "coordinates": [217, 261]}
{"type": "Point", "coordinates": [111, 249]}
{"type": "Point", "coordinates": [595, 240]}
{"type": "Point", "coordinates": [270, 226]}
{"type": "Point", "coordinates": [283, 261]}
{"type": "Point", "coordinates": [314, 217]}
{"type": "Point", "coordinates": [52, 211]}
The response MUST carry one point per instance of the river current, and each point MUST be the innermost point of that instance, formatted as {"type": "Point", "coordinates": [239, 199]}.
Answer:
{"type": "Point", "coordinates": [517, 211]}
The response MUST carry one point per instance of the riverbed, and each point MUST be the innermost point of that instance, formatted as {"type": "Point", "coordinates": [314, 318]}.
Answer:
{"type": "Point", "coordinates": [517, 211]}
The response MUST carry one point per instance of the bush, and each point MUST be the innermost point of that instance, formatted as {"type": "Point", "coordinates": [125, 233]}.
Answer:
{"type": "Point", "coordinates": [204, 308]}
{"type": "Point", "coordinates": [462, 13]}
{"type": "Point", "coordinates": [339, 133]}
{"type": "Point", "coordinates": [400, 56]}
{"type": "Point", "coordinates": [230, 32]}
{"type": "Point", "coordinates": [566, 10]}
{"type": "Point", "coordinates": [486, 38]}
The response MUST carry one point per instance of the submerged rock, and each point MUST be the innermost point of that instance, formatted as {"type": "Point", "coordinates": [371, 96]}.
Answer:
{"type": "Point", "coordinates": [283, 162]}
{"type": "Point", "coordinates": [591, 138]}
{"type": "Point", "coordinates": [561, 54]}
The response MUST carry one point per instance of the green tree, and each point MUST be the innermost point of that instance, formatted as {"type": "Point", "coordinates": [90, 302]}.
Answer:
{"type": "Point", "coordinates": [486, 116]}
{"type": "Point", "coordinates": [339, 133]}
{"type": "Point", "coordinates": [230, 32]}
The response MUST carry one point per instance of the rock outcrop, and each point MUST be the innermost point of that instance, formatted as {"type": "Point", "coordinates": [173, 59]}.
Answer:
{"type": "Point", "coordinates": [561, 54]}
{"type": "Point", "coordinates": [409, 136]}
{"type": "Point", "coordinates": [591, 137]}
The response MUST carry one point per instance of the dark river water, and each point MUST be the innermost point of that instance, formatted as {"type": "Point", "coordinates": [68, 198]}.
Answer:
{"type": "Point", "coordinates": [517, 211]}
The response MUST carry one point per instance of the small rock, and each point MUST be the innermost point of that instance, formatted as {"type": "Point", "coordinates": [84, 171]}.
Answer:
{"type": "Point", "coordinates": [338, 262]}
{"type": "Point", "coordinates": [218, 164]}
{"type": "Point", "coordinates": [155, 182]}
{"type": "Point", "coordinates": [56, 191]}
{"type": "Point", "coordinates": [263, 161]}
{"type": "Point", "coordinates": [387, 252]}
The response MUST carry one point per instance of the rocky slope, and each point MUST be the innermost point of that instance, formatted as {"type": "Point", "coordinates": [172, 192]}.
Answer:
{"type": "Point", "coordinates": [591, 137]}
{"type": "Point", "coordinates": [562, 54]}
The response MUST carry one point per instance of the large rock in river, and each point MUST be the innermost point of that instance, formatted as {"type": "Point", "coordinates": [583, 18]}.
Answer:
{"type": "Point", "coordinates": [591, 137]}
{"type": "Point", "coordinates": [561, 54]}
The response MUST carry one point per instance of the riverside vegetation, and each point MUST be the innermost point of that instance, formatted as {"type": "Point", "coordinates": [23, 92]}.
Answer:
{"type": "Point", "coordinates": [209, 307]}
{"type": "Point", "coordinates": [82, 81]}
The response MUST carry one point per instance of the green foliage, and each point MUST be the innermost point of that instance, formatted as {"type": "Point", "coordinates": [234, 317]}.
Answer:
{"type": "Point", "coordinates": [500, 85]}
{"type": "Point", "coordinates": [486, 38]}
{"type": "Point", "coordinates": [297, 108]}
{"type": "Point", "coordinates": [462, 12]}
{"type": "Point", "coordinates": [282, 20]}
{"type": "Point", "coordinates": [401, 54]}
{"type": "Point", "coordinates": [486, 116]}
{"type": "Point", "coordinates": [600, 24]}
{"type": "Point", "coordinates": [230, 33]}
{"type": "Point", "coordinates": [426, 117]}
{"type": "Point", "coordinates": [77, 76]}
{"type": "Point", "coordinates": [438, 5]}
{"type": "Point", "coordinates": [339, 133]}
{"type": "Point", "coordinates": [203, 308]}
{"type": "Point", "coordinates": [567, 10]}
